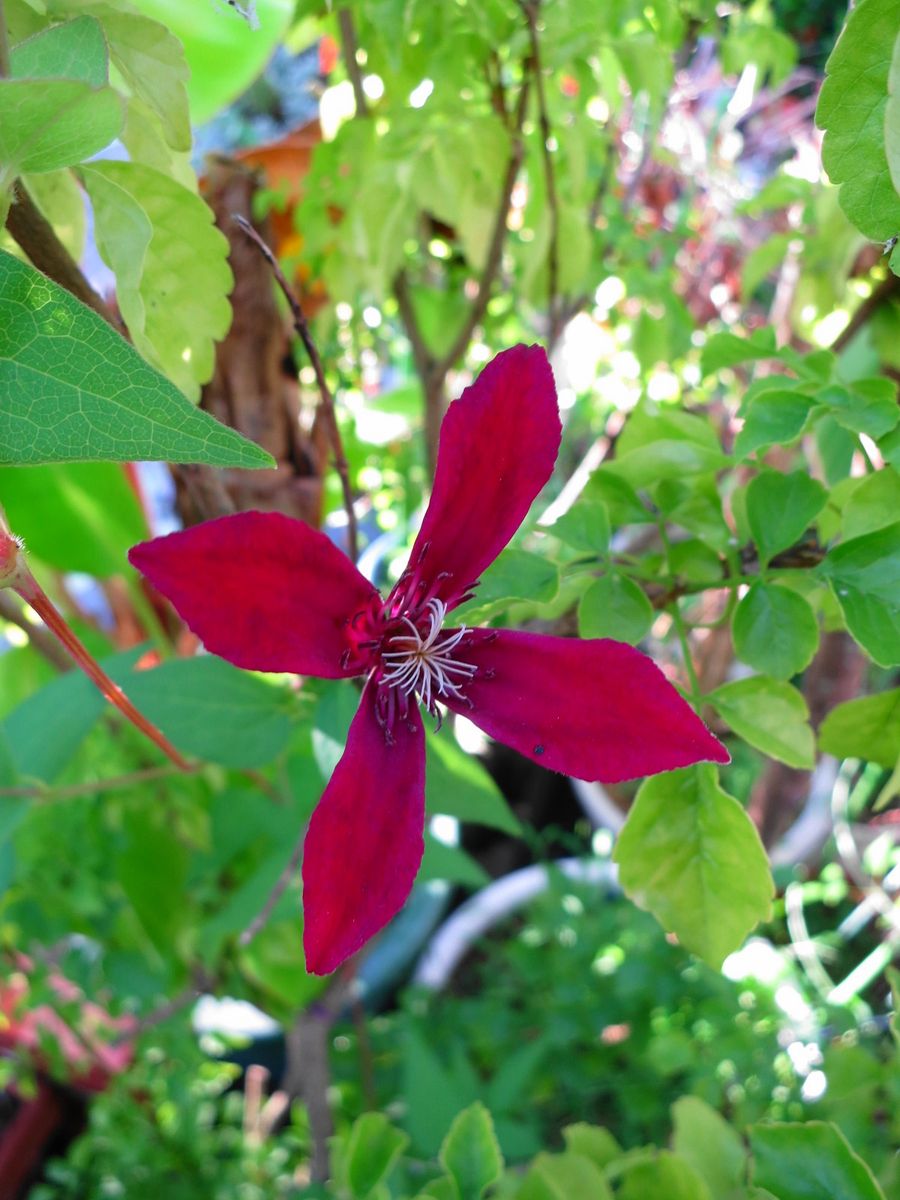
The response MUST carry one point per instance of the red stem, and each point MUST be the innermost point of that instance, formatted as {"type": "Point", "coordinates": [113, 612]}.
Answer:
{"type": "Point", "coordinates": [32, 593]}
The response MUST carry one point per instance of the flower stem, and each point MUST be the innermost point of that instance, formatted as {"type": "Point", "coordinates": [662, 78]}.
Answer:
{"type": "Point", "coordinates": [32, 593]}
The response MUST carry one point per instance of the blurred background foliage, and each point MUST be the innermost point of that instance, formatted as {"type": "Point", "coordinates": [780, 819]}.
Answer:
{"type": "Point", "coordinates": [639, 186]}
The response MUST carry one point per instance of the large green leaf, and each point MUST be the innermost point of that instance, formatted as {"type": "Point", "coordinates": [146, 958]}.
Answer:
{"type": "Point", "coordinates": [690, 854]}
{"type": "Point", "coordinates": [72, 390]}
{"type": "Point", "coordinates": [45, 731]}
{"type": "Point", "coordinates": [211, 709]}
{"type": "Point", "coordinates": [57, 109]}
{"type": "Point", "coordinates": [775, 630]}
{"type": "Point", "coordinates": [892, 118]}
{"type": "Point", "coordinates": [74, 516]}
{"type": "Point", "coordinates": [780, 508]}
{"type": "Point", "coordinates": [513, 575]}
{"type": "Point", "coordinates": [666, 1175]}
{"type": "Point", "coordinates": [868, 728]}
{"type": "Point", "coordinates": [471, 1154]}
{"type": "Point", "coordinates": [865, 406]}
{"type": "Point", "coordinates": [152, 869]}
{"type": "Point", "coordinates": [873, 505]}
{"type": "Point", "coordinates": [770, 715]}
{"type": "Point", "coordinates": [374, 1145]}
{"type": "Point", "coordinates": [864, 573]}
{"type": "Point", "coordinates": [563, 1177]}
{"type": "Point", "coordinates": [151, 60]}
{"type": "Point", "coordinates": [705, 1140]}
{"type": "Point", "coordinates": [171, 267]}
{"type": "Point", "coordinates": [775, 416]}
{"type": "Point", "coordinates": [851, 110]}
{"type": "Point", "coordinates": [809, 1161]}
{"type": "Point", "coordinates": [457, 785]}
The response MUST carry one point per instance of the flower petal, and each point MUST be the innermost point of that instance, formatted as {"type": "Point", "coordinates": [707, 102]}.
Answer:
{"type": "Point", "coordinates": [498, 444]}
{"type": "Point", "coordinates": [595, 709]}
{"type": "Point", "coordinates": [260, 589]}
{"type": "Point", "coordinates": [364, 843]}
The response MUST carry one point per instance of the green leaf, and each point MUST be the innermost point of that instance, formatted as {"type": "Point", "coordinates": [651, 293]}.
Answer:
{"type": "Point", "coordinates": [874, 504]}
{"type": "Point", "coordinates": [152, 869]}
{"type": "Point", "coordinates": [170, 261]}
{"type": "Point", "coordinates": [373, 1147]}
{"type": "Point", "coordinates": [590, 1141]}
{"type": "Point", "coordinates": [851, 110]}
{"type": "Point", "coordinates": [775, 630]}
{"type": "Point", "coordinates": [770, 715]}
{"type": "Point", "coordinates": [866, 406]}
{"type": "Point", "coordinates": [868, 728]}
{"type": "Point", "coordinates": [69, 706]}
{"type": "Point", "coordinates": [56, 109]}
{"type": "Point", "coordinates": [451, 864]}
{"type": "Point", "coordinates": [774, 417]}
{"type": "Point", "coordinates": [439, 1189]}
{"type": "Point", "coordinates": [215, 711]}
{"type": "Point", "coordinates": [153, 65]}
{"type": "Point", "coordinates": [892, 118]}
{"type": "Point", "coordinates": [513, 575]}
{"type": "Point", "coordinates": [73, 50]}
{"type": "Point", "coordinates": [457, 785]}
{"type": "Point", "coordinates": [585, 526]}
{"type": "Point", "coordinates": [72, 390]}
{"type": "Point", "coordinates": [664, 1175]}
{"type": "Point", "coordinates": [471, 1154]}
{"type": "Point", "coordinates": [728, 350]}
{"type": "Point", "coordinates": [74, 516]}
{"type": "Point", "coordinates": [864, 574]}
{"type": "Point", "coordinates": [689, 854]}
{"type": "Point", "coordinates": [614, 606]}
{"type": "Point", "coordinates": [809, 1161]}
{"type": "Point", "coordinates": [780, 508]}
{"type": "Point", "coordinates": [563, 1177]}
{"type": "Point", "coordinates": [706, 1142]}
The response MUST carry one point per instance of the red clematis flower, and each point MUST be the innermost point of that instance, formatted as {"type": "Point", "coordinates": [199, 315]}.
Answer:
{"type": "Point", "coordinates": [271, 594]}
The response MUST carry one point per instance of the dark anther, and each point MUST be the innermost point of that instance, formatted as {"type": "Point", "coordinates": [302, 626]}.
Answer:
{"type": "Point", "coordinates": [425, 548]}
{"type": "Point", "coordinates": [438, 720]}
{"type": "Point", "coordinates": [538, 750]}
{"type": "Point", "coordinates": [492, 637]}
{"type": "Point", "coordinates": [345, 659]}
{"type": "Point", "coordinates": [367, 645]}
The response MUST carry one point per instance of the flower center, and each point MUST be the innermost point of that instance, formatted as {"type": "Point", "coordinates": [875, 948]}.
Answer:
{"type": "Point", "coordinates": [423, 662]}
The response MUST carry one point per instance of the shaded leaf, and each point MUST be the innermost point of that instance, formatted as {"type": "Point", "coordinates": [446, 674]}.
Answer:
{"type": "Point", "coordinates": [373, 1147]}
{"type": "Point", "coordinates": [614, 606]}
{"type": "Point", "coordinates": [775, 630]}
{"type": "Point", "coordinates": [780, 508]}
{"type": "Point", "coordinates": [706, 1142]}
{"type": "Point", "coordinates": [809, 1161]}
{"type": "Point", "coordinates": [471, 1153]}
{"type": "Point", "coordinates": [868, 728]}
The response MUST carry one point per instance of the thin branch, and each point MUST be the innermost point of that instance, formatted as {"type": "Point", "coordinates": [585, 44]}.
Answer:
{"type": "Point", "coordinates": [530, 10]}
{"type": "Point", "coordinates": [326, 399]}
{"type": "Point", "coordinates": [36, 236]}
{"type": "Point", "coordinates": [421, 354]}
{"type": "Point", "coordinates": [887, 288]}
{"type": "Point", "coordinates": [350, 46]}
{"type": "Point", "coordinates": [278, 890]}
{"type": "Point", "coordinates": [42, 641]}
{"type": "Point", "coordinates": [495, 248]}
{"type": "Point", "coordinates": [73, 791]}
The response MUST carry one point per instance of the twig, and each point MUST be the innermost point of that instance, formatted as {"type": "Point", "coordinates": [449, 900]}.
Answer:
{"type": "Point", "coordinates": [72, 791]}
{"type": "Point", "coordinates": [36, 236]}
{"type": "Point", "coordinates": [864, 313]}
{"type": "Point", "coordinates": [349, 44]}
{"type": "Point", "coordinates": [326, 399]}
{"type": "Point", "coordinates": [495, 247]}
{"type": "Point", "coordinates": [278, 889]}
{"type": "Point", "coordinates": [530, 10]}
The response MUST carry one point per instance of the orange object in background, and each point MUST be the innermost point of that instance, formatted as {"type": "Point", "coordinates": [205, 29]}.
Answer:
{"type": "Point", "coordinates": [284, 165]}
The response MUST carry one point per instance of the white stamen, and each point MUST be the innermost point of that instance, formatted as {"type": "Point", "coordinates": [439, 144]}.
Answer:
{"type": "Point", "coordinates": [419, 664]}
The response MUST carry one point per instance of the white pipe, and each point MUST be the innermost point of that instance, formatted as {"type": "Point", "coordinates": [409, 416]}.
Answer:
{"type": "Point", "coordinates": [482, 911]}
